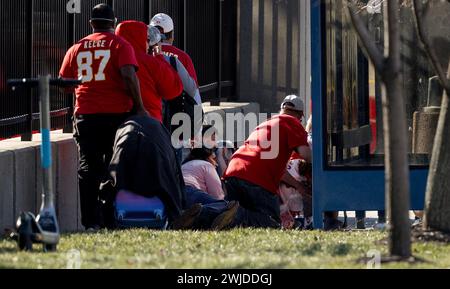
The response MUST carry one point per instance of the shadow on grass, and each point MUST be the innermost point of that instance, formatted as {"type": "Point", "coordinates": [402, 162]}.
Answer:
{"type": "Point", "coordinates": [340, 249]}
{"type": "Point", "coordinates": [312, 249]}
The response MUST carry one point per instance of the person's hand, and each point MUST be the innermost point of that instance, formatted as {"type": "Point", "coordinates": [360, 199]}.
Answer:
{"type": "Point", "coordinates": [304, 191]}
{"type": "Point", "coordinates": [212, 160]}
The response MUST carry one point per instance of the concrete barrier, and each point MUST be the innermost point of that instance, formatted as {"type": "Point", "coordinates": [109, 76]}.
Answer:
{"type": "Point", "coordinates": [67, 185]}
{"type": "Point", "coordinates": [21, 178]}
{"type": "Point", "coordinates": [231, 109]}
{"type": "Point", "coordinates": [6, 189]}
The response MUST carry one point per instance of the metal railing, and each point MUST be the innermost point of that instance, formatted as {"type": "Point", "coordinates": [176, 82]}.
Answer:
{"type": "Point", "coordinates": [37, 33]}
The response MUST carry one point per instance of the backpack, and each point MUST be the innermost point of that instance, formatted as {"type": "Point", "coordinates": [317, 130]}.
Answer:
{"type": "Point", "coordinates": [181, 104]}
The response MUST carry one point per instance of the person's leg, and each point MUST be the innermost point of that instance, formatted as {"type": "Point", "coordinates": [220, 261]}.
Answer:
{"type": "Point", "coordinates": [196, 217]}
{"type": "Point", "coordinates": [331, 221]}
{"type": "Point", "coordinates": [194, 196]}
{"type": "Point", "coordinates": [360, 219]}
{"type": "Point", "coordinates": [381, 216]}
{"type": "Point", "coordinates": [258, 208]}
{"type": "Point", "coordinates": [90, 170]}
{"type": "Point", "coordinates": [109, 124]}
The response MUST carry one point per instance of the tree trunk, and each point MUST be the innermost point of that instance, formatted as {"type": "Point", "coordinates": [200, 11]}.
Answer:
{"type": "Point", "coordinates": [396, 148]}
{"type": "Point", "coordinates": [397, 169]}
{"type": "Point", "coordinates": [395, 127]}
{"type": "Point", "coordinates": [437, 203]}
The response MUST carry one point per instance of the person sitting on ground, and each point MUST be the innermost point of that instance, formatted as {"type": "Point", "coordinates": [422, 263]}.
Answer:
{"type": "Point", "coordinates": [199, 170]}
{"type": "Point", "coordinates": [256, 169]}
{"type": "Point", "coordinates": [203, 191]}
{"type": "Point", "coordinates": [204, 194]}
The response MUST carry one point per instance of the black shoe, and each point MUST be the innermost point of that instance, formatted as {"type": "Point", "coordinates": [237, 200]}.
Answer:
{"type": "Point", "coordinates": [187, 219]}
{"type": "Point", "coordinates": [225, 219]}
{"type": "Point", "coordinates": [332, 224]}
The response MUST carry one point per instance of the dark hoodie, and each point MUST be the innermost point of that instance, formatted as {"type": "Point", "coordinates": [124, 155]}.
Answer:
{"type": "Point", "coordinates": [157, 78]}
{"type": "Point", "coordinates": [144, 163]}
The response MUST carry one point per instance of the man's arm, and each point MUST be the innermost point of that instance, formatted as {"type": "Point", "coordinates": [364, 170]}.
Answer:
{"type": "Point", "coordinates": [291, 181]}
{"type": "Point", "coordinates": [309, 125]}
{"type": "Point", "coordinates": [66, 71]}
{"type": "Point", "coordinates": [128, 73]}
{"type": "Point", "coordinates": [305, 152]}
{"type": "Point", "coordinates": [189, 84]}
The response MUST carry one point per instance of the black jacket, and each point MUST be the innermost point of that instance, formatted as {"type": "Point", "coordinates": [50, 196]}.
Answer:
{"type": "Point", "coordinates": [144, 162]}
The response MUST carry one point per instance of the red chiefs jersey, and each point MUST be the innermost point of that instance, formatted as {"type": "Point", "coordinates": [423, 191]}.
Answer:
{"type": "Point", "coordinates": [263, 158]}
{"type": "Point", "coordinates": [184, 58]}
{"type": "Point", "coordinates": [97, 60]}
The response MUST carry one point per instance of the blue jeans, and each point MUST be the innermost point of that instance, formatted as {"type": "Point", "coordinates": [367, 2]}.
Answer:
{"type": "Point", "coordinates": [212, 207]}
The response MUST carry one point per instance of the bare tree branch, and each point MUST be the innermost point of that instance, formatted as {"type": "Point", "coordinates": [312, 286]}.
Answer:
{"type": "Point", "coordinates": [394, 37]}
{"type": "Point", "coordinates": [367, 40]}
{"type": "Point", "coordinates": [419, 13]}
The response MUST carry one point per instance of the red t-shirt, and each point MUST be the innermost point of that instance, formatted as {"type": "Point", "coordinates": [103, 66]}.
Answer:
{"type": "Point", "coordinates": [158, 81]}
{"type": "Point", "coordinates": [184, 58]}
{"type": "Point", "coordinates": [97, 59]}
{"type": "Point", "coordinates": [263, 158]}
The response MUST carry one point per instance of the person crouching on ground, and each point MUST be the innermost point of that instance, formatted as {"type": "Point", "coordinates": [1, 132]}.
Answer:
{"type": "Point", "coordinates": [256, 169]}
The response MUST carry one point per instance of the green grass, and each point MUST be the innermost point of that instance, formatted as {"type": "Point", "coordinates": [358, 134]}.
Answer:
{"type": "Point", "coordinates": [232, 249]}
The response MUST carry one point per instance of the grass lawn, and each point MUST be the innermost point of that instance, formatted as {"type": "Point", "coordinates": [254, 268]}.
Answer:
{"type": "Point", "coordinates": [232, 249]}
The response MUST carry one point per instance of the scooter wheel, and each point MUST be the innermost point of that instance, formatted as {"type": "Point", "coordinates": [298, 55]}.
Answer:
{"type": "Point", "coordinates": [49, 248]}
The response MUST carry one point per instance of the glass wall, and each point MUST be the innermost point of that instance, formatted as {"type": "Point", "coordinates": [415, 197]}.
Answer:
{"type": "Point", "coordinates": [354, 92]}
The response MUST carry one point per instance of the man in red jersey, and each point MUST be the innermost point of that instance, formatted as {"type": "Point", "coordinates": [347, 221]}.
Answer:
{"type": "Point", "coordinates": [157, 78]}
{"type": "Point", "coordinates": [165, 24]}
{"type": "Point", "coordinates": [255, 170]}
{"type": "Point", "coordinates": [109, 93]}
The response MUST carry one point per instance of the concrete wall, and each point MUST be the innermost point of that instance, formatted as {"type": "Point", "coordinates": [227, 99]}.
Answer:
{"type": "Point", "coordinates": [229, 113]}
{"type": "Point", "coordinates": [21, 178]}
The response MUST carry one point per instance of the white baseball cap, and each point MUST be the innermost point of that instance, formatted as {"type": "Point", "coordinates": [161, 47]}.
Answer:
{"type": "Point", "coordinates": [294, 102]}
{"type": "Point", "coordinates": [164, 21]}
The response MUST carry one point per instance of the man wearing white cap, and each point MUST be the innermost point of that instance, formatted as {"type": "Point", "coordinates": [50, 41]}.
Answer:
{"type": "Point", "coordinates": [165, 25]}
{"type": "Point", "coordinates": [254, 172]}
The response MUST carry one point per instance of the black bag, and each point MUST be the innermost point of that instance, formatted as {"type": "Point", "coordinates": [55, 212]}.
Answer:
{"type": "Point", "coordinates": [182, 104]}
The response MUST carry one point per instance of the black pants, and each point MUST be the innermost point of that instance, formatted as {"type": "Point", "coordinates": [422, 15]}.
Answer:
{"type": "Point", "coordinates": [259, 208]}
{"type": "Point", "coordinates": [95, 136]}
